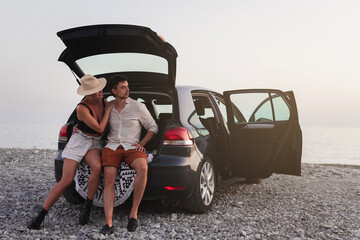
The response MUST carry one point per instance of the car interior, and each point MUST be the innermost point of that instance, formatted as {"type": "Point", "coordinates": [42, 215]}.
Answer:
{"type": "Point", "coordinates": [160, 107]}
{"type": "Point", "coordinates": [206, 114]}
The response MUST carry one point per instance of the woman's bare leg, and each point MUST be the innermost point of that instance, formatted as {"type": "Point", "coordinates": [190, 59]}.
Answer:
{"type": "Point", "coordinates": [69, 169]}
{"type": "Point", "coordinates": [93, 159]}
{"type": "Point", "coordinates": [55, 193]}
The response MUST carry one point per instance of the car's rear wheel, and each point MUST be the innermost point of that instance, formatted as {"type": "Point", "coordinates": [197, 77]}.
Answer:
{"type": "Point", "coordinates": [202, 198]}
{"type": "Point", "coordinates": [72, 196]}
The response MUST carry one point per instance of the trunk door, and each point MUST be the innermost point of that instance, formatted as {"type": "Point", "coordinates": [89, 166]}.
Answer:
{"type": "Point", "coordinates": [103, 50]}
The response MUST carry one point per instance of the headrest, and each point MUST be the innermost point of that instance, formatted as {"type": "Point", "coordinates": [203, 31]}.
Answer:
{"type": "Point", "coordinates": [200, 108]}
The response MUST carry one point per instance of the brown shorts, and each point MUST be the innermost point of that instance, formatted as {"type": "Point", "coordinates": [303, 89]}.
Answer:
{"type": "Point", "coordinates": [114, 158]}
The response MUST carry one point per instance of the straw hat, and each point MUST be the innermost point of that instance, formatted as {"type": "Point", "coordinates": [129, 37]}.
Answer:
{"type": "Point", "coordinates": [90, 85]}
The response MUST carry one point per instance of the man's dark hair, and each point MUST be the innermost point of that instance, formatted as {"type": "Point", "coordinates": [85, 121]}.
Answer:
{"type": "Point", "coordinates": [114, 81]}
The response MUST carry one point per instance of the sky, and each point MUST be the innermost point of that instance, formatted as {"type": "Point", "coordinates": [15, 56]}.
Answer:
{"type": "Point", "coordinates": [310, 47]}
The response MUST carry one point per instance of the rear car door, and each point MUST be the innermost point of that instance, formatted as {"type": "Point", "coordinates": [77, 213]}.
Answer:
{"type": "Point", "coordinates": [265, 135]}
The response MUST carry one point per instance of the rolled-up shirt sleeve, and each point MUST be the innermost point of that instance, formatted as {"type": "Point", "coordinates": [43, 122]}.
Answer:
{"type": "Point", "coordinates": [147, 120]}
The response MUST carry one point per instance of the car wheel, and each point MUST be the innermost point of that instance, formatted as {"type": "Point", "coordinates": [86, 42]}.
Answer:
{"type": "Point", "coordinates": [202, 198]}
{"type": "Point", "coordinates": [71, 195]}
{"type": "Point", "coordinates": [253, 180]}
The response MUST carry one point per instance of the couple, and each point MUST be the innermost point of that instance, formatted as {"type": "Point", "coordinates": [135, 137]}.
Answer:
{"type": "Point", "coordinates": [126, 116]}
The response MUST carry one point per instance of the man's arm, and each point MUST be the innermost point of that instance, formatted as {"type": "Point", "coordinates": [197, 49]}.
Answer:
{"type": "Point", "coordinates": [140, 146]}
{"type": "Point", "coordinates": [149, 123]}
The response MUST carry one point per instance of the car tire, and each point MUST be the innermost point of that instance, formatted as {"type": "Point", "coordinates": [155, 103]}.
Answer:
{"type": "Point", "coordinates": [72, 196]}
{"type": "Point", "coordinates": [202, 198]}
{"type": "Point", "coordinates": [253, 180]}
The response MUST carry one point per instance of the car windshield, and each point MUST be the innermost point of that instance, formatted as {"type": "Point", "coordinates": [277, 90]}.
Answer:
{"type": "Point", "coordinates": [123, 62]}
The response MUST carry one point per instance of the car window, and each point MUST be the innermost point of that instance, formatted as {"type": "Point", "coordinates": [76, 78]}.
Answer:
{"type": "Point", "coordinates": [111, 97]}
{"type": "Point", "coordinates": [222, 108]}
{"type": "Point", "coordinates": [161, 108]}
{"type": "Point", "coordinates": [123, 62]}
{"type": "Point", "coordinates": [255, 107]}
{"type": "Point", "coordinates": [159, 105]}
{"type": "Point", "coordinates": [203, 117]}
{"type": "Point", "coordinates": [261, 107]}
{"type": "Point", "coordinates": [281, 109]}
{"type": "Point", "coordinates": [263, 113]}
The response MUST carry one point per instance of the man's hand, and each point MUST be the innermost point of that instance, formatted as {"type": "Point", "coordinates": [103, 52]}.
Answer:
{"type": "Point", "coordinates": [139, 147]}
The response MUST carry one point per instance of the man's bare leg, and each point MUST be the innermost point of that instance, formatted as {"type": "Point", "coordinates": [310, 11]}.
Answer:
{"type": "Point", "coordinates": [109, 193]}
{"type": "Point", "coordinates": [141, 167]}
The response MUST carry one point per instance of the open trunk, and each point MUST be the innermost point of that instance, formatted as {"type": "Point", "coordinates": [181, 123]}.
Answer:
{"type": "Point", "coordinates": [160, 105]}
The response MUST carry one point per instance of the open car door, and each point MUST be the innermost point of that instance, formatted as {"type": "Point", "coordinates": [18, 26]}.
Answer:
{"type": "Point", "coordinates": [265, 135]}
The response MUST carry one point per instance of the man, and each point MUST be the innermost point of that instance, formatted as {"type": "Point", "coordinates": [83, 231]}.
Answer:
{"type": "Point", "coordinates": [126, 118]}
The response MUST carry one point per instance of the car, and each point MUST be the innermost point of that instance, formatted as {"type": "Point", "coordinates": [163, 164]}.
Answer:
{"type": "Point", "coordinates": [206, 139]}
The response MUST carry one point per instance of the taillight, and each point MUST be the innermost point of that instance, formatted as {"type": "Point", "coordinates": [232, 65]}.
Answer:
{"type": "Point", "coordinates": [174, 188]}
{"type": "Point", "coordinates": [179, 136]}
{"type": "Point", "coordinates": [63, 135]}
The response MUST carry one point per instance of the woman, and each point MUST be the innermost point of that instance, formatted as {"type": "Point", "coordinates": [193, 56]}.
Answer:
{"type": "Point", "coordinates": [92, 114]}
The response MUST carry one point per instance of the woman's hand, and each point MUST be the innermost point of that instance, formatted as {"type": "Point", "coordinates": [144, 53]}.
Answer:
{"type": "Point", "coordinates": [109, 105]}
{"type": "Point", "coordinates": [84, 115]}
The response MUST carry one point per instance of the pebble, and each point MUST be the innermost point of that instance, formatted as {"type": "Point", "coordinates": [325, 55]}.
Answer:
{"type": "Point", "coordinates": [156, 225]}
{"type": "Point", "coordinates": [321, 204]}
{"type": "Point", "coordinates": [173, 216]}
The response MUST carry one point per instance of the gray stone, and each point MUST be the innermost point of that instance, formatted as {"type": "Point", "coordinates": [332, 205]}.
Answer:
{"type": "Point", "coordinates": [323, 203]}
{"type": "Point", "coordinates": [157, 225]}
{"type": "Point", "coordinates": [173, 216]}
{"type": "Point", "coordinates": [96, 236]}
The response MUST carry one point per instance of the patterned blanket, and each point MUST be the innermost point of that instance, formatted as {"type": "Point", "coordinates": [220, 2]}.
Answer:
{"type": "Point", "coordinates": [123, 184]}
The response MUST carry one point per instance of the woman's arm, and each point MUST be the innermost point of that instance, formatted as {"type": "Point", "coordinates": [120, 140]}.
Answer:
{"type": "Point", "coordinates": [84, 115]}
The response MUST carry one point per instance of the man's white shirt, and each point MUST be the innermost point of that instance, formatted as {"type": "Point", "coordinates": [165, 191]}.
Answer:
{"type": "Point", "coordinates": [125, 126]}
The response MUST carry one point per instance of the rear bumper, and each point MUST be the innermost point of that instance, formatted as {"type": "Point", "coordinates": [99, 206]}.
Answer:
{"type": "Point", "coordinates": [167, 171]}
{"type": "Point", "coordinates": [178, 177]}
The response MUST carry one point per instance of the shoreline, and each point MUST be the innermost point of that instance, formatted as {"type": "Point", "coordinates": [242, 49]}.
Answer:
{"type": "Point", "coordinates": [356, 166]}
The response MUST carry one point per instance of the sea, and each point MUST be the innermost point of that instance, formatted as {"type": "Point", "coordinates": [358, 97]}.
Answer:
{"type": "Point", "coordinates": [324, 145]}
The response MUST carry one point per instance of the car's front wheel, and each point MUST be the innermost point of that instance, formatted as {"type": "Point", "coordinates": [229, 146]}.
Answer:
{"type": "Point", "coordinates": [202, 198]}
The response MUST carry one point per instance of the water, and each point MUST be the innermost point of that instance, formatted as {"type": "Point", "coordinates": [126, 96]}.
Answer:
{"type": "Point", "coordinates": [29, 135]}
{"type": "Point", "coordinates": [331, 145]}
{"type": "Point", "coordinates": [320, 144]}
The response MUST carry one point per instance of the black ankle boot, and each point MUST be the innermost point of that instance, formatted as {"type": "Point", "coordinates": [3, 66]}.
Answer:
{"type": "Point", "coordinates": [36, 221]}
{"type": "Point", "coordinates": [85, 212]}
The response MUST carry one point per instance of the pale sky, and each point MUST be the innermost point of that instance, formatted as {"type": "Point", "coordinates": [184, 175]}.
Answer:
{"type": "Point", "coordinates": [310, 47]}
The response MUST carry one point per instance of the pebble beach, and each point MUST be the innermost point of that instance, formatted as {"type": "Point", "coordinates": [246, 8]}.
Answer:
{"type": "Point", "coordinates": [324, 203]}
